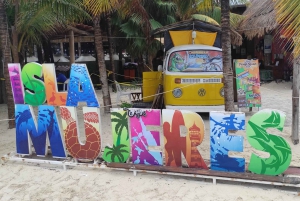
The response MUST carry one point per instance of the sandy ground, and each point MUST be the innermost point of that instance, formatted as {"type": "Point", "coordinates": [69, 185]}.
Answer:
{"type": "Point", "coordinates": [23, 181]}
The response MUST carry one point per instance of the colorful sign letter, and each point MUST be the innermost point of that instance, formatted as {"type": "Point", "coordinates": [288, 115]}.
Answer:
{"type": "Point", "coordinates": [260, 139]}
{"type": "Point", "coordinates": [34, 86]}
{"type": "Point", "coordinates": [53, 96]}
{"type": "Point", "coordinates": [80, 77]}
{"type": "Point", "coordinates": [175, 144]}
{"type": "Point", "coordinates": [221, 142]}
{"type": "Point", "coordinates": [141, 138]}
{"type": "Point", "coordinates": [121, 145]}
{"type": "Point", "coordinates": [47, 123]}
{"type": "Point", "coordinates": [16, 83]}
{"type": "Point", "coordinates": [247, 83]}
{"type": "Point", "coordinates": [91, 149]}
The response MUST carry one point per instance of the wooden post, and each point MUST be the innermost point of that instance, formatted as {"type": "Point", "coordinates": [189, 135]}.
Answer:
{"type": "Point", "coordinates": [62, 49]}
{"type": "Point", "coordinates": [72, 47]}
{"type": "Point", "coordinates": [295, 100]}
{"type": "Point", "coordinates": [79, 46]}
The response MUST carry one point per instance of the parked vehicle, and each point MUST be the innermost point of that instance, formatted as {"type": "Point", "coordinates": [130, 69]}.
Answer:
{"type": "Point", "coordinates": [192, 71]}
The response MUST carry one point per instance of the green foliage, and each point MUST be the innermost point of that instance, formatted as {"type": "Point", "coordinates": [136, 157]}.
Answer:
{"type": "Point", "coordinates": [121, 147]}
{"type": "Point", "coordinates": [215, 14]}
{"type": "Point", "coordinates": [41, 19]}
{"type": "Point", "coordinates": [140, 18]}
{"type": "Point", "coordinates": [125, 105]}
{"type": "Point", "coordinates": [116, 153]}
{"type": "Point", "coordinates": [205, 18]}
{"type": "Point", "coordinates": [122, 123]}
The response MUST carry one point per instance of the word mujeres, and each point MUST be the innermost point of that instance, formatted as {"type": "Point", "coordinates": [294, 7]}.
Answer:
{"type": "Point", "coordinates": [136, 139]}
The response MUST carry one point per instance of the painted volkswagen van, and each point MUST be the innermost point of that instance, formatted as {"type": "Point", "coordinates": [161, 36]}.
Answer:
{"type": "Point", "coordinates": [192, 70]}
{"type": "Point", "coordinates": [192, 78]}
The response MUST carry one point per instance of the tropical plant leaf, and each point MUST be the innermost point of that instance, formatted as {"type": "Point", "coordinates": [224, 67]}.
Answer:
{"type": "Point", "coordinates": [120, 146]}
{"type": "Point", "coordinates": [108, 153]}
{"type": "Point", "coordinates": [113, 157]}
{"type": "Point", "coordinates": [123, 151]}
{"type": "Point", "coordinates": [154, 24]}
{"type": "Point", "coordinates": [272, 121]}
{"type": "Point", "coordinates": [205, 19]}
{"type": "Point", "coordinates": [119, 157]}
{"type": "Point", "coordinates": [117, 115]}
{"type": "Point", "coordinates": [261, 132]}
{"type": "Point", "coordinates": [117, 128]}
{"type": "Point", "coordinates": [115, 120]}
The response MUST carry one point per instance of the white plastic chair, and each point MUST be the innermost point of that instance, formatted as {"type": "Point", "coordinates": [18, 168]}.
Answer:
{"type": "Point", "coordinates": [120, 93]}
{"type": "Point", "coordinates": [65, 87]}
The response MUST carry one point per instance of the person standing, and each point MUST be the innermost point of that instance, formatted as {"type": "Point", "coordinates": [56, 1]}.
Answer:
{"type": "Point", "coordinates": [60, 78]}
{"type": "Point", "coordinates": [158, 60]}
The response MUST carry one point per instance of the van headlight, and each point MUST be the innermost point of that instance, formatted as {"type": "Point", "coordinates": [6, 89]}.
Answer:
{"type": "Point", "coordinates": [177, 92]}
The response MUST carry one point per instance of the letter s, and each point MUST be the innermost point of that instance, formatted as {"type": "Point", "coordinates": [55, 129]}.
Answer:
{"type": "Point", "coordinates": [259, 138]}
{"type": "Point", "coordinates": [34, 88]}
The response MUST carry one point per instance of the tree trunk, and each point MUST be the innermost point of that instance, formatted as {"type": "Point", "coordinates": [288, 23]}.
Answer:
{"type": "Point", "coordinates": [71, 47]}
{"type": "Point", "coordinates": [295, 102]}
{"type": "Point", "coordinates": [15, 39]}
{"type": "Point", "coordinates": [6, 54]}
{"type": "Point", "coordinates": [111, 51]}
{"type": "Point", "coordinates": [15, 43]}
{"type": "Point", "coordinates": [227, 64]}
{"type": "Point", "coordinates": [101, 65]}
{"type": "Point", "coordinates": [48, 54]}
{"type": "Point", "coordinates": [40, 54]}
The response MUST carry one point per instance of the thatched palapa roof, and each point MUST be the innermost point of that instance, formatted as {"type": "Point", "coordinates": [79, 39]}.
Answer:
{"type": "Point", "coordinates": [236, 38]}
{"type": "Point", "coordinates": [260, 17]}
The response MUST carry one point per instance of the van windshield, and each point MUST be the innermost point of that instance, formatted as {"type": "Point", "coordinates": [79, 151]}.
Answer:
{"type": "Point", "coordinates": [195, 61]}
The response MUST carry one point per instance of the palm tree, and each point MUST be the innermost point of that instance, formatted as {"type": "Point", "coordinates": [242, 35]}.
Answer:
{"type": "Point", "coordinates": [287, 13]}
{"type": "Point", "coordinates": [116, 151]}
{"type": "Point", "coordinates": [208, 7]}
{"type": "Point", "coordinates": [226, 54]}
{"type": "Point", "coordinates": [109, 35]}
{"type": "Point", "coordinates": [120, 150]}
{"type": "Point", "coordinates": [140, 18]}
{"type": "Point", "coordinates": [97, 8]}
{"type": "Point", "coordinates": [34, 21]}
{"type": "Point", "coordinates": [122, 123]}
{"type": "Point", "coordinates": [6, 56]}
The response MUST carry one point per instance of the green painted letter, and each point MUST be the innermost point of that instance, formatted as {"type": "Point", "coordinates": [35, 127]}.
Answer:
{"type": "Point", "coordinates": [279, 149]}
{"type": "Point", "coordinates": [34, 87]}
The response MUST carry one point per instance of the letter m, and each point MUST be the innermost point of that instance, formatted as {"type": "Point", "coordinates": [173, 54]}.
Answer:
{"type": "Point", "coordinates": [26, 127]}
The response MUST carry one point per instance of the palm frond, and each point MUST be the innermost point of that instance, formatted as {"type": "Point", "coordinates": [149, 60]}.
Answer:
{"type": "Point", "coordinates": [154, 24]}
{"type": "Point", "coordinates": [117, 114]}
{"type": "Point", "coordinates": [98, 7]}
{"type": "Point", "coordinates": [205, 19]}
{"type": "Point", "coordinates": [287, 13]}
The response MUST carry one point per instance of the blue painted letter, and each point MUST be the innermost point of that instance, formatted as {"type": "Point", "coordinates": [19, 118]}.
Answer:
{"type": "Point", "coordinates": [47, 122]}
{"type": "Point", "coordinates": [221, 143]}
{"type": "Point", "coordinates": [80, 77]}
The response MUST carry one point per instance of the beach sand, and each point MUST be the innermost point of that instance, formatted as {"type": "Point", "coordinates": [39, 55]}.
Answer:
{"type": "Point", "coordinates": [24, 181]}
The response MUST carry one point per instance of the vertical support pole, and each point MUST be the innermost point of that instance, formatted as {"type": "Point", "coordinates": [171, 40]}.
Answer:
{"type": "Point", "coordinates": [72, 47]}
{"type": "Point", "coordinates": [61, 48]}
{"type": "Point", "coordinates": [295, 99]}
{"type": "Point", "coordinates": [214, 181]}
{"type": "Point", "coordinates": [79, 46]}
